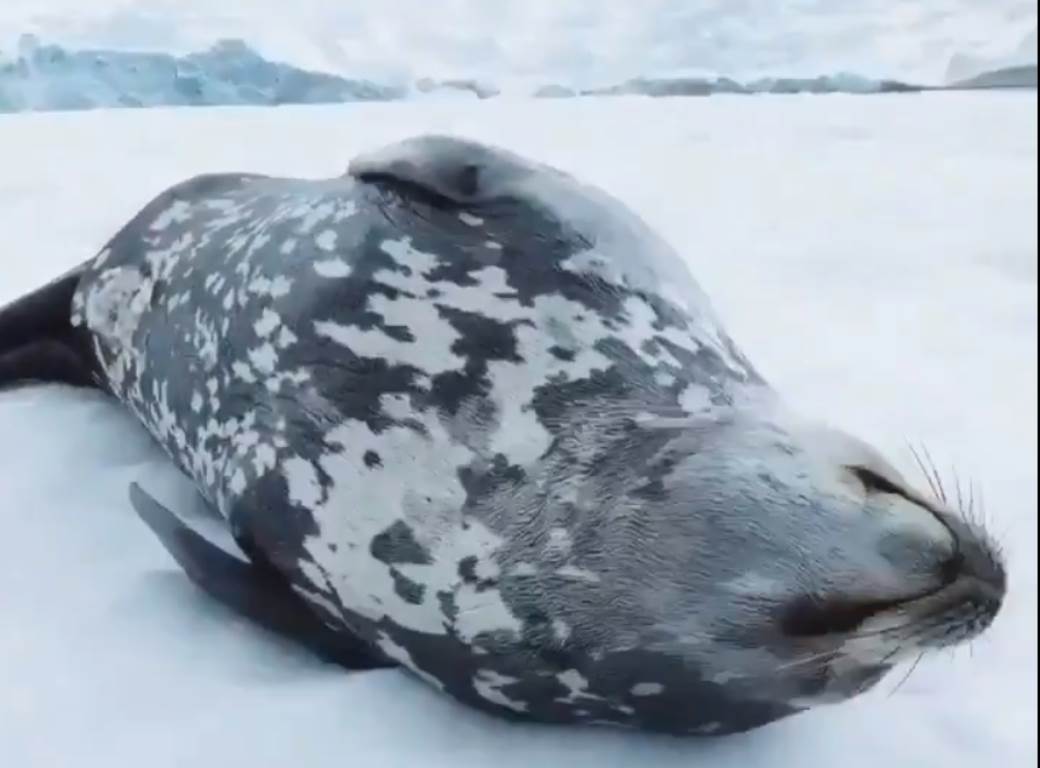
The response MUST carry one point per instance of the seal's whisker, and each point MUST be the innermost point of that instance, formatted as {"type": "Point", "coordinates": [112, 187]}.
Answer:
{"type": "Point", "coordinates": [959, 492]}
{"type": "Point", "coordinates": [913, 668]}
{"type": "Point", "coordinates": [811, 659]}
{"type": "Point", "coordinates": [924, 471]}
{"type": "Point", "coordinates": [986, 520]}
{"type": "Point", "coordinates": [935, 474]}
{"type": "Point", "coordinates": [833, 653]}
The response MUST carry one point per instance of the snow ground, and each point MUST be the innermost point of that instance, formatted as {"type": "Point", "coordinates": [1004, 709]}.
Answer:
{"type": "Point", "coordinates": [876, 257]}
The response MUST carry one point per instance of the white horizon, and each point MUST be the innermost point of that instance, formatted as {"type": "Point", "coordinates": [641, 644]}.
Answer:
{"type": "Point", "coordinates": [581, 43]}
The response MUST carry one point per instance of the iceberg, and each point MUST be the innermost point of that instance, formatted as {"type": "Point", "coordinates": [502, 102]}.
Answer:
{"type": "Point", "coordinates": [51, 77]}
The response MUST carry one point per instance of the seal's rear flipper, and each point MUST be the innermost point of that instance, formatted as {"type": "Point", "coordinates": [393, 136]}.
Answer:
{"type": "Point", "coordinates": [46, 360]}
{"type": "Point", "coordinates": [259, 594]}
{"type": "Point", "coordinates": [37, 340]}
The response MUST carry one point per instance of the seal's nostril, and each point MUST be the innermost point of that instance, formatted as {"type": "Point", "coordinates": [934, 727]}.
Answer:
{"type": "Point", "coordinates": [976, 558]}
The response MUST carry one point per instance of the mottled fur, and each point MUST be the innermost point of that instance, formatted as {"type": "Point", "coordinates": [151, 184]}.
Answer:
{"type": "Point", "coordinates": [482, 418]}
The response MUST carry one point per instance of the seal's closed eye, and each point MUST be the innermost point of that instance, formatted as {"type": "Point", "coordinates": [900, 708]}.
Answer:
{"type": "Point", "coordinates": [876, 483]}
{"type": "Point", "coordinates": [455, 171]}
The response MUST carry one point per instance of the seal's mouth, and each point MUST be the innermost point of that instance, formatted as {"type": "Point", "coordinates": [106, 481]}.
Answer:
{"type": "Point", "coordinates": [970, 591]}
{"type": "Point", "coordinates": [809, 616]}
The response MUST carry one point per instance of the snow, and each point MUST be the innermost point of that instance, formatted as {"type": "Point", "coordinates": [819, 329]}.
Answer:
{"type": "Point", "coordinates": [877, 259]}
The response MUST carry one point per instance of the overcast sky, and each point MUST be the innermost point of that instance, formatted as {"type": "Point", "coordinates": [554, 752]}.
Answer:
{"type": "Point", "coordinates": [569, 40]}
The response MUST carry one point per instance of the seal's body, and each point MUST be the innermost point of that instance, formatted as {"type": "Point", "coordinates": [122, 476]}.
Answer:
{"type": "Point", "coordinates": [482, 421]}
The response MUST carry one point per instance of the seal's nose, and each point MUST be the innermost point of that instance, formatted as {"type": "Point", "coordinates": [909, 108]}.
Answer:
{"type": "Point", "coordinates": [976, 560]}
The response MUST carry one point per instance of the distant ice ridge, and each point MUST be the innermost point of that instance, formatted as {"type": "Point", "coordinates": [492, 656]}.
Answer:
{"type": "Point", "coordinates": [50, 77]}
{"type": "Point", "coordinates": [966, 67]}
{"type": "Point", "coordinates": [841, 82]}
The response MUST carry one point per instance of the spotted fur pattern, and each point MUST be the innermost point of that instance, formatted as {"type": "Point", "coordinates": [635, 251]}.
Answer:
{"type": "Point", "coordinates": [436, 395]}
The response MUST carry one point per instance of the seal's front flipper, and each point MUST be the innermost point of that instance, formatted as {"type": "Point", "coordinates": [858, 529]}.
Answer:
{"type": "Point", "coordinates": [259, 594]}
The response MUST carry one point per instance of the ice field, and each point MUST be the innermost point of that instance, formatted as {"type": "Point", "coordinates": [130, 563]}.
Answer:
{"type": "Point", "coordinates": [876, 257]}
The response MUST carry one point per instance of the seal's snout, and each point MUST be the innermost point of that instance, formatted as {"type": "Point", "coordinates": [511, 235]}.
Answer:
{"type": "Point", "coordinates": [977, 565]}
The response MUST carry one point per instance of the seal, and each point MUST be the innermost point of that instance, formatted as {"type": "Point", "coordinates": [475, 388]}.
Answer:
{"type": "Point", "coordinates": [467, 415]}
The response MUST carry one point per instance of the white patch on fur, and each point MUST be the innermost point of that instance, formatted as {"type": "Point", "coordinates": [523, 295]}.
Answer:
{"type": "Point", "coordinates": [276, 288]}
{"type": "Point", "coordinates": [403, 253]}
{"type": "Point", "coordinates": [755, 584]}
{"type": "Point", "coordinates": [302, 480]}
{"type": "Point", "coordinates": [524, 569]}
{"type": "Point", "coordinates": [286, 338]}
{"type": "Point", "coordinates": [112, 309]}
{"type": "Point", "coordinates": [115, 302]}
{"type": "Point", "coordinates": [483, 611]}
{"type": "Point", "coordinates": [579, 574]}
{"type": "Point", "coordinates": [640, 329]}
{"type": "Point", "coordinates": [265, 458]}
{"type": "Point", "coordinates": [486, 570]}
{"type": "Point", "coordinates": [264, 358]}
{"type": "Point", "coordinates": [313, 215]}
{"type": "Point", "coordinates": [345, 211]}
{"type": "Point", "coordinates": [326, 241]}
{"type": "Point", "coordinates": [332, 268]}
{"type": "Point", "coordinates": [401, 656]}
{"type": "Point", "coordinates": [488, 683]}
{"type": "Point", "coordinates": [561, 630]}
{"type": "Point", "coordinates": [237, 483]}
{"type": "Point", "coordinates": [647, 689]}
{"type": "Point", "coordinates": [315, 597]}
{"type": "Point", "coordinates": [243, 371]}
{"type": "Point", "coordinates": [470, 220]}
{"type": "Point", "coordinates": [296, 377]}
{"type": "Point", "coordinates": [695, 398]}
{"type": "Point", "coordinates": [178, 212]}
{"type": "Point", "coordinates": [577, 687]}
{"type": "Point", "coordinates": [268, 322]}
{"type": "Point", "coordinates": [592, 262]}
{"type": "Point", "coordinates": [362, 504]}
{"type": "Point", "coordinates": [430, 351]}
{"type": "Point", "coordinates": [559, 541]}
{"type": "Point", "coordinates": [518, 435]}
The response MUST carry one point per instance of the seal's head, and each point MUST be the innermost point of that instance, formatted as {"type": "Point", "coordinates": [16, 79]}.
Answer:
{"type": "Point", "coordinates": [789, 563]}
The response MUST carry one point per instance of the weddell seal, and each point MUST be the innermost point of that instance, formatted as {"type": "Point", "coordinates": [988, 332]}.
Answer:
{"type": "Point", "coordinates": [466, 415]}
